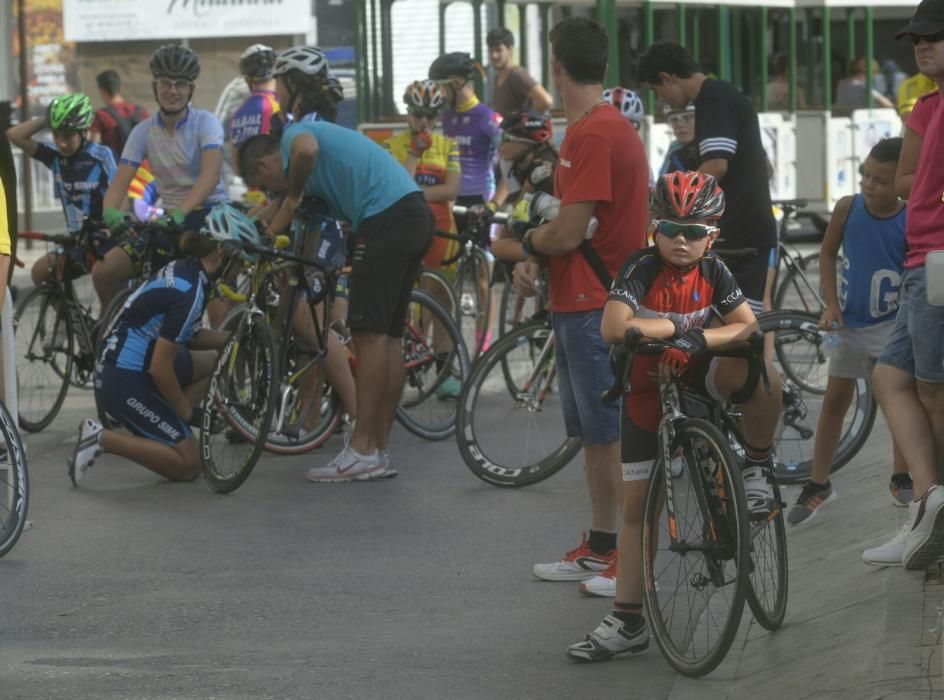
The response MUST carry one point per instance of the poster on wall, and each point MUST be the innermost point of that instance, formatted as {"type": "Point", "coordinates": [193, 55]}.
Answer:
{"type": "Point", "coordinates": [121, 20]}
{"type": "Point", "coordinates": [51, 66]}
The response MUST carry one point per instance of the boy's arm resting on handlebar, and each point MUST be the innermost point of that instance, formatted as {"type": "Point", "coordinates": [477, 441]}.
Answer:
{"type": "Point", "coordinates": [618, 317]}
{"type": "Point", "coordinates": [739, 324]}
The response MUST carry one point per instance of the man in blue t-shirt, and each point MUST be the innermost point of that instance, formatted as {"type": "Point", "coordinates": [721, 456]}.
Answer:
{"type": "Point", "coordinates": [363, 184]}
{"type": "Point", "coordinates": [184, 148]}
{"type": "Point", "coordinates": [82, 171]}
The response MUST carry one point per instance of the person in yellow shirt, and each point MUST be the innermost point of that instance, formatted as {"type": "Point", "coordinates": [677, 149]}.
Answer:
{"type": "Point", "coordinates": [433, 161]}
{"type": "Point", "coordinates": [918, 85]}
{"type": "Point", "coordinates": [6, 249]}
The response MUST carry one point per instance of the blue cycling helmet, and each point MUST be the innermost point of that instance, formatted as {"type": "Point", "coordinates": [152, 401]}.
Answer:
{"type": "Point", "coordinates": [226, 223]}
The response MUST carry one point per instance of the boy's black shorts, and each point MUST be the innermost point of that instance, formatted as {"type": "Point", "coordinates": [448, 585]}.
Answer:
{"type": "Point", "coordinates": [388, 251]}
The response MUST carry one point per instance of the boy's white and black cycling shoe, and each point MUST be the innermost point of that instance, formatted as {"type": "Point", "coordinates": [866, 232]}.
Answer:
{"type": "Point", "coordinates": [758, 491]}
{"type": "Point", "coordinates": [87, 448]}
{"type": "Point", "coordinates": [611, 637]}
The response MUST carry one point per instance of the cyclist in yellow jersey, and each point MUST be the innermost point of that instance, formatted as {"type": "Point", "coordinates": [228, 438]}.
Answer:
{"type": "Point", "coordinates": [6, 249]}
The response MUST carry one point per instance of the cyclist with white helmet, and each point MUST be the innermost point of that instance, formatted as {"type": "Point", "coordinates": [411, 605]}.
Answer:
{"type": "Point", "coordinates": [184, 146]}
{"type": "Point", "coordinates": [363, 184]}
{"type": "Point", "coordinates": [82, 170]}
{"type": "Point", "coordinates": [157, 362]}
{"type": "Point", "coordinates": [628, 103]}
{"type": "Point", "coordinates": [682, 154]}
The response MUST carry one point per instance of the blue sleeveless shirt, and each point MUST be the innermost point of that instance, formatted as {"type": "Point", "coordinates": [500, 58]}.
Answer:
{"type": "Point", "coordinates": [872, 263]}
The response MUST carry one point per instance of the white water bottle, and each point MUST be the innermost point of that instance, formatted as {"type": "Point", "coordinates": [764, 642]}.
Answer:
{"type": "Point", "coordinates": [831, 340]}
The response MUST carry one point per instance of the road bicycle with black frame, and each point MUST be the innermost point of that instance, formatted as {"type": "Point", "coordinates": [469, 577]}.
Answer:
{"type": "Point", "coordinates": [14, 483]}
{"type": "Point", "coordinates": [704, 555]}
{"type": "Point", "coordinates": [797, 284]}
{"type": "Point", "coordinates": [55, 329]}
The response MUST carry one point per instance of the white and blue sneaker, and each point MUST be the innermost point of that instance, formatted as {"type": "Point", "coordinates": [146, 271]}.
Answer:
{"type": "Point", "coordinates": [611, 637]}
{"type": "Point", "coordinates": [87, 448]}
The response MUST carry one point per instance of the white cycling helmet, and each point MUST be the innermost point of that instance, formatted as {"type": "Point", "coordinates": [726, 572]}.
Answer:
{"type": "Point", "coordinates": [226, 223]}
{"type": "Point", "coordinates": [310, 60]}
{"type": "Point", "coordinates": [627, 102]}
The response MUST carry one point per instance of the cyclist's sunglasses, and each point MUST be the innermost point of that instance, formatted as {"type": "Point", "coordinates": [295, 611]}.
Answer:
{"type": "Point", "coordinates": [692, 232]}
{"type": "Point", "coordinates": [420, 113]}
{"type": "Point", "coordinates": [179, 85]}
{"type": "Point", "coordinates": [930, 38]}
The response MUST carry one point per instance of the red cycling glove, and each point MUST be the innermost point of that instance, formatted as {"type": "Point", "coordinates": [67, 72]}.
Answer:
{"type": "Point", "coordinates": [421, 141]}
{"type": "Point", "coordinates": [685, 348]}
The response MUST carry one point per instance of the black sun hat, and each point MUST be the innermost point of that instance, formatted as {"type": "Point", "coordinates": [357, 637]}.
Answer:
{"type": "Point", "coordinates": [927, 19]}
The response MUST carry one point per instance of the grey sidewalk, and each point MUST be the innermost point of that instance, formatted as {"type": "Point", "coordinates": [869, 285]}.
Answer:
{"type": "Point", "coordinates": [852, 630]}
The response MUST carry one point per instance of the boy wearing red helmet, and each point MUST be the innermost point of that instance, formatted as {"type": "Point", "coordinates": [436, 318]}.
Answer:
{"type": "Point", "coordinates": [671, 291]}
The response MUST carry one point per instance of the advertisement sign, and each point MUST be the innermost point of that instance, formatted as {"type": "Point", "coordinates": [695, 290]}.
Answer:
{"type": "Point", "coordinates": [51, 66]}
{"type": "Point", "coordinates": [778, 137]}
{"type": "Point", "coordinates": [123, 20]}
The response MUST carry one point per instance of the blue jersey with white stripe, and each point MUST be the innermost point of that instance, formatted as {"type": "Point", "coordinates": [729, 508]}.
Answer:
{"type": "Point", "coordinates": [81, 179]}
{"type": "Point", "coordinates": [873, 257]}
{"type": "Point", "coordinates": [169, 305]}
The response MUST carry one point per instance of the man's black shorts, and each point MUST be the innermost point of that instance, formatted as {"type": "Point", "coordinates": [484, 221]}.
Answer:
{"type": "Point", "coordinates": [750, 271]}
{"type": "Point", "coordinates": [388, 252]}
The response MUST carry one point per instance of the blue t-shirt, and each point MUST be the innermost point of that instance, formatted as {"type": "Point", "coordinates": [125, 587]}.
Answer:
{"type": "Point", "coordinates": [81, 180]}
{"type": "Point", "coordinates": [873, 256]}
{"type": "Point", "coordinates": [175, 158]}
{"type": "Point", "coordinates": [169, 305]}
{"type": "Point", "coordinates": [356, 177]}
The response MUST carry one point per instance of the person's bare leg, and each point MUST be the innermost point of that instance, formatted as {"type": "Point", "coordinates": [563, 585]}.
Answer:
{"type": "Point", "coordinates": [836, 402]}
{"type": "Point", "coordinates": [604, 477]}
{"type": "Point", "coordinates": [908, 421]}
{"type": "Point", "coordinates": [111, 273]}
{"type": "Point", "coordinates": [899, 463]}
{"type": "Point", "coordinates": [931, 397]}
{"type": "Point", "coordinates": [629, 582]}
{"type": "Point", "coordinates": [373, 374]}
{"type": "Point", "coordinates": [761, 411]}
{"type": "Point", "coordinates": [178, 463]}
{"type": "Point", "coordinates": [336, 366]}
{"type": "Point", "coordinates": [393, 390]}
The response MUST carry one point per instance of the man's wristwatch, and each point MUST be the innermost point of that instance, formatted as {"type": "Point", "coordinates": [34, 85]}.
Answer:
{"type": "Point", "coordinates": [526, 242]}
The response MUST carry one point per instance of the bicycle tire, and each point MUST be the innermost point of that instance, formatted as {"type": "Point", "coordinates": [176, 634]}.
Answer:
{"type": "Point", "coordinates": [471, 310]}
{"type": "Point", "coordinates": [57, 385]}
{"type": "Point", "coordinates": [710, 499]}
{"type": "Point", "coordinates": [487, 395]}
{"type": "Point", "coordinates": [252, 342]}
{"type": "Point", "coordinates": [793, 442]}
{"type": "Point", "coordinates": [14, 484]}
{"type": "Point", "coordinates": [436, 284]}
{"type": "Point", "coordinates": [429, 362]}
{"type": "Point", "coordinates": [768, 576]}
{"type": "Point", "coordinates": [796, 292]}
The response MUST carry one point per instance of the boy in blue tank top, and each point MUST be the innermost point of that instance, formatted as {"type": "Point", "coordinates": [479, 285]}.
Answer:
{"type": "Point", "coordinates": [860, 309]}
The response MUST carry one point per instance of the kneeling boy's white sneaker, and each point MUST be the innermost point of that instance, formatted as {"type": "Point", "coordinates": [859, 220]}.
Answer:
{"type": "Point", "coordinates": [87, 448]}
{"type": "Point", "coordinates": [349, 465]}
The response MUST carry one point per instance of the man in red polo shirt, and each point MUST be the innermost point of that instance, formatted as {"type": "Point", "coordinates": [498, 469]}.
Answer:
{"type": "Point", "coordinates": [602, 173]}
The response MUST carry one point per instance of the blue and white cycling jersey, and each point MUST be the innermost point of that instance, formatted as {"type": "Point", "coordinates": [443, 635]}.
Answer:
{"type": "Point", "coordinates": [176, 158]}
{"type": "Point", "coordinates": [81, 180]}
{"type": "Point", "coordinates": [169, 305]}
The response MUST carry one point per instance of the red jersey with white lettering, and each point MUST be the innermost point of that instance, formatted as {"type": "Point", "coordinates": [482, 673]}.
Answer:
{"type": "Point", "coordinates": [654, 289]}
{"type": "Point", "coordinates": [602, 160]}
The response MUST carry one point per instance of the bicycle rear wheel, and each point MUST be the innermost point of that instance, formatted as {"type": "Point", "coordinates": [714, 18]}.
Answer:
{"type": "Point", "coordinates": [437, 366]}
{"type": "Point", "coordinates": [14, 483]}
{"type": "Point", "coordinates": [694, 558]}
{"type": "Point", "coordinates": [800, 289]}
{"type": "Point", "coordinates": [45, 348]}
{"type": "Point", "coordinates": [767, 592]}
{"type": "Point", "coordinates": [513, 390]}
{"type": "Point", "coordinates": [804, 368]}
{"type": "Point", "coordinates": [238, 407]}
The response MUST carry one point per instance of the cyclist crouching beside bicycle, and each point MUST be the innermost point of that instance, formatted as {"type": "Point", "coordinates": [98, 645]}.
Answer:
{"type": "Point", "coordinates": [82, 171]}
{"type": "Point", "coordinates": [155, 368]}
{"type": "Point", "coordinates": [669, 292]}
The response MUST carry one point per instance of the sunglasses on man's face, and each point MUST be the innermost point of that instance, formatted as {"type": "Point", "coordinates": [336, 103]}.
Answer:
{"type": "Point", "coordinates": [692, 232]}
{"type": "Point", "coordinates": [930, 38]}
{"type": "Point", "coordinates": [424, 113]}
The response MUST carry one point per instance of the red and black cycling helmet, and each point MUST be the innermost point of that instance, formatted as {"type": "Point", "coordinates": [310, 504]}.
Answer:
{"type": "Point", "coordinates": [528, 126]}
{"type": "Point", "coordinates": [685, 195]}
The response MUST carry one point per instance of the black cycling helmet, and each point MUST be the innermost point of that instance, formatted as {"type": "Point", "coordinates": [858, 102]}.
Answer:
{"type": "Point", "coordinates": [457, 64]}
{"type": "Point", "coordinates": [257, 62]}
{"type": "Point", "coordinates": [172, 61]}
{"type": "Point", "coordinates": [683, 196]}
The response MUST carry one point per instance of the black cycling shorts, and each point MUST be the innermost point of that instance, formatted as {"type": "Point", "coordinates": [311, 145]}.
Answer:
{"type": "Point", "coordinates": [388, 251]}
{"type": "Point", "coordinates": [750, 272]}
{"type": "Point", "coordinates": [131, 398]}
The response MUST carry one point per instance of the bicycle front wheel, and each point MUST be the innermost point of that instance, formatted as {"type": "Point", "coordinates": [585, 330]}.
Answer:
{"type": "Point", "coordinates": [14, 483]}
{"type": "Point", "coordinates": [767, 592]}
{"type": "Point", "coordinates": [238, 407]}
{"type": "Point", "coordinates": [45, 348]}
{"type": "Point", "coordinates": [436, 364]}
{"type": "Point", "coordinates": [513, 391]}
{"type": "Point", "coordinates": [474, 298]}
{"type": "Point", "coordinates": [695, 549]}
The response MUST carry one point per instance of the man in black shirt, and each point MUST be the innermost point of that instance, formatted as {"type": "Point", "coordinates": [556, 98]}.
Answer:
{"type": "Point", "coordinates": [730, 149]}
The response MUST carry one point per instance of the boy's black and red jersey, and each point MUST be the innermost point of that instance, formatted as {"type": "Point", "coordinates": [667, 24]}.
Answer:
{"type": "Point", "coordinates": [654, 289]}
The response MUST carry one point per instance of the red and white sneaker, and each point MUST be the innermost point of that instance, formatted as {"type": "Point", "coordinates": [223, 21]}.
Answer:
{"type": "Point", "coordinates": [603, 585]}
{"type": "Point", "coordinates": [578, 564]}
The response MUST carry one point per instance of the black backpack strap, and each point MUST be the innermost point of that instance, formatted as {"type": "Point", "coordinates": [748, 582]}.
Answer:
{"type": "Point", "coordinates": [596, 264]}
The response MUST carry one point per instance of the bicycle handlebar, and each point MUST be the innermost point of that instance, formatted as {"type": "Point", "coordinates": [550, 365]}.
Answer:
{"type": "Point", "coordinates": [498, 217]}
